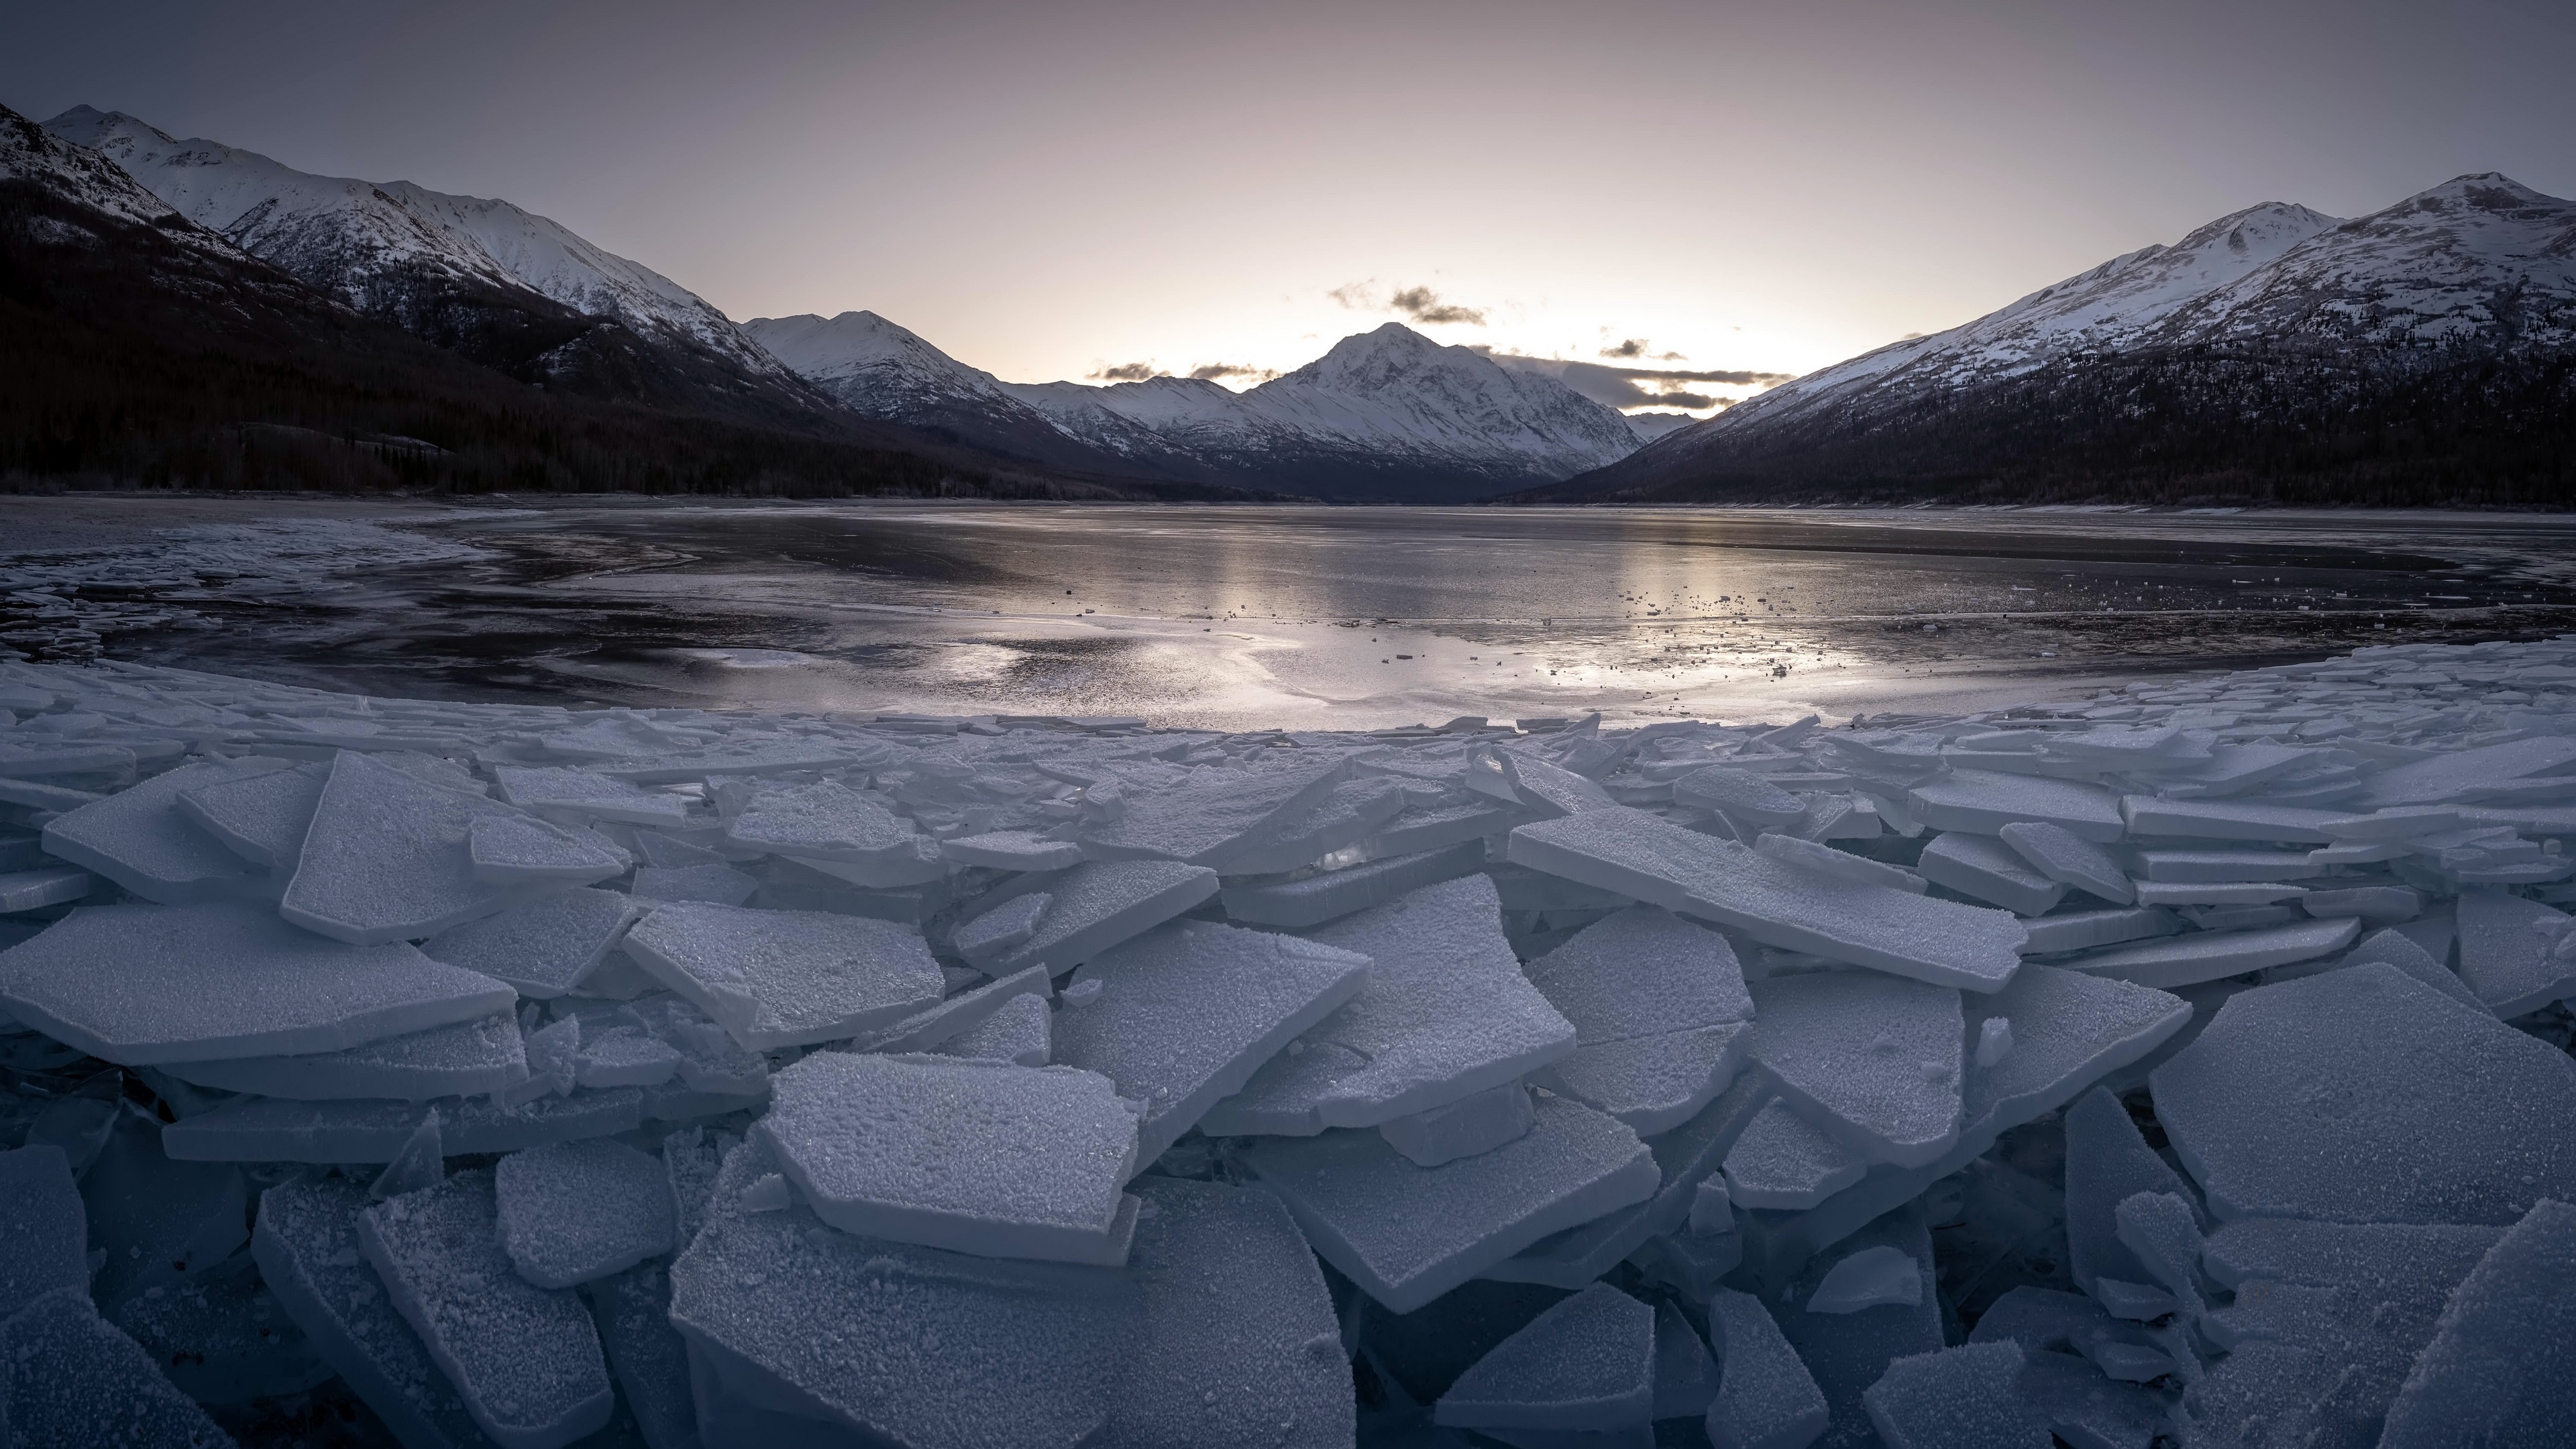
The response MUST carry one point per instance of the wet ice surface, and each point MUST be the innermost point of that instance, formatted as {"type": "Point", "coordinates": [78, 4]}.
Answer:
{"type": "Point", "coordinates": [1769, 1083]}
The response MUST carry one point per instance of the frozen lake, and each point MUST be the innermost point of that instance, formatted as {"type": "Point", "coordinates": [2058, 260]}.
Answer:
{"type": "Point", "coordinates": [1240, 617]}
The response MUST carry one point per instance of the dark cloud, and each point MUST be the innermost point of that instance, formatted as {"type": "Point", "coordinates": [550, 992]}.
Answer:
{"type": "Point", "coordinates": [1632, 347]}
{"type": "Point", "coordinates": [1127, 372]}
{"type": "Point", "coordinates": [1219, 371]}
{"type": "Point", "coordinates": [1677, 399]}
{"type": "Point", "coordinates": [1423, 305]}
{"type": "Point", "coordinates": [1354, 295]}
{"type": "Point", "coordinates": [1637, 387]}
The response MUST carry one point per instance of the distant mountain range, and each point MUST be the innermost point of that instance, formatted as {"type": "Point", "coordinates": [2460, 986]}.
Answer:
{"type": "Point", "coordinates": [2420, 353]}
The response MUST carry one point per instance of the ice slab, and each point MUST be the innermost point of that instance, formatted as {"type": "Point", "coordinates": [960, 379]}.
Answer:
{"type": "Point", "coordinates": [1408, 1234]}
{"type": "Point", "coordinates": [1845, 1353]}
{"type": "Point", "coordinates": [544, 948]}
{"type": "Point", "coordinates": [2401, 952]}
{"type": "Point", "coordinates": [44, 1235]}
{"type": "Point", "coordinates": [1006, 927]}
{"type": "Point", "coordinates": [1315, 899]}
{"type": "Point", "coordinates": [1783, 1161]}
{"type": "Point", "coordinates": [1658, 1006]}
{"type": "Point", "coordinates": [574, 1212]}
{"type": "Point", "coordinates": [906, 1344]}
{"type": "Point", "coordinates": [1021, 1033]}
{"type": "Point", "coordinates": [140, 839]}
{"type": "Point", "coordinates": [1739, 794]}
{"type": "Point", "coordinates": [1968, 1397]}
{"type": "Point", "coordinates": [934, 1026]}
{"type": "Point", "coordinates": [28, 890]}
{"type": "Point", "coordinates": [144, 984]}
{"type": "Point", "coordinates": [2495, 1370]}
{"type": "Point", "coordinates": [2206, 866]}
{"type": "Point", "coordinates": [387, 858]}
{"type": "Point", "coordinates": [1979, 866]}
{"type": "Point", "coordinates": [1985, 801]}
{"type": "Point", "coordinates": [2215, 893]}
{"type": "Point", "coordinates": [2162, 1230]}
{"type": "Point", "coordinates": [2228, 820]}
{"type": "Point", "coordinates": [715, 884]}
{"type": "Point", "coordinates": [1473, 1124]}
{"type": "Point", "coordinates": [1005, 1162]}
{"type": "Point", "coordinates": [563, 791]}
{"type": "Point", "coordinates": [2083, 930]}
{"type": "Point", "coordinates": [306, 1242]}
{"type": "Point", "coordinates": [1877, 1061]}
{"type": "Point", "coordinates": [632, 1312]}
{"type": "Point", "coordinates": [1188, 1012]}
{"type": "Point", "coordinates": [2062, 855]}
{"type": "Point", "coordinates": [1685, 1375]}
{"type": "Point", "coordinates": [787, 978]}
{"type": "Point", "coordinates": [1870, 1278]}
{"type": "Point", "coordinates": [1791, 850]}
{"type": "Point", "coordinates": [69, 1378]}
{"type": "Point", "coordinates": [1766, 1399]}
{"type": "Point", "coordinates": [421, 1163]}
{"type": "Point", "coordinates": [1341, 819]}
{"type": "Point", "coordinates": [2449, 777]}
{"type": "Point", "coordinates": [1098, 904]}
{"type": "Point", "coordinates": [1012, 850]}
{"type": "Point", "coordinates": [523, 850]}
{"type": "Point", "coordinates": [1445, 1013]}
{"type": "Point", "coordinates": [2107, 1161]}
{"type": "Point", "coordinates": [468, 1058]}
{"type": "Point", "coordinates": [1240, 1344]}
{"type": "Point", "coordinates": [1587, 1363]}
{"type": "Point", "coordinates": [2277, 1114]}
{"type": "Point", "coordinates": [1650, 859]}
{"type": "Point", "coordinates": [271, 1129]}
{"type": "Point", "coordinates": [618, 1050]}
{"type": "Point", "coordinates": [525, 1359]}
{"type": "Point", "coordinates": [1201, 824]}
{"type": "Point", "coordinates": [2188, 960]}
{"type": "Point", "coordinates": [2371, 903]}
{"type": "Point", "coordinates": [260, 817]}
{"type": "Point", "coordinates": [2516, 954]}
{"type": "Point", "coordinates": [825, 820]}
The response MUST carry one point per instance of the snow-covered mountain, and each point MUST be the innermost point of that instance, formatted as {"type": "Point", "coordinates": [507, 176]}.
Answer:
{"type": "Point", "coordinates": [397, 250]}
{"type": "Point", "coordinates": [1388, 413]}
{"type": "Point", "coordinates": [2255, 321]}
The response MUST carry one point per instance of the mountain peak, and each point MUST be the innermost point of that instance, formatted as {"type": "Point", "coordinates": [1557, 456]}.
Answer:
{"type": "Point", "coordinates": [2477, 191]}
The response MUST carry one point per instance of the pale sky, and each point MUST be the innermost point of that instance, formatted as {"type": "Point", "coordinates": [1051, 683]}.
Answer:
{"type": "Point", "coordinates": [1049, 189]}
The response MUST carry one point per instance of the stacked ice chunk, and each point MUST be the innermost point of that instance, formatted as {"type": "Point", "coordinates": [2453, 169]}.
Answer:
{"type": "Point", "coordinates": [2188, 1062]}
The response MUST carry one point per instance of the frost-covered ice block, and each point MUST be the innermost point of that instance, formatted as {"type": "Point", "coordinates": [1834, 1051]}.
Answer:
{"type": "Point", "coordinates": [544, 948]}
{"type": "Point", "coordinates": [1098, 904]}
{"type": "Point", "coordinates": [2084, 930]}
{"type": "Point", "coordinates": [142, 985]}
{"type": "Point", "coordinates": [28, 890]}
{"type": "Point", "coordinates": [1240, 1343]}
{"type": "Point", "coordinates": [421, 1163]}
{"type": "Point", "coordinates": [466, 1059]}
{"type": "Point", "coordinates": [2510, 952]}
{"type": "Point", "coordinates": [825, 820]}
{"type": "Point", "coordinates": [1548, 788]}
{"type": "Point", "coordinates": [573, 1212]}
{"type": "Point", "coordinates": [1845, 1353]}
{"type": "Point", "coordinates": [44, 1235]}
{"type": "Point", "coordinates": [715, 884]}
{"type": "Point", "coordinates": [1685, 1375]}
{"type": "Point", "coordinates": [1021, 1033]}
{"type": "Point", "coordinates": [1004, 1162]}
{"type": "Point", "coordinates": [2205, 866]}
{"type": "Point", "coordinates": [1408, 1234]}
{"type": "Point", "coordinates": [933, 1026]}
{"type": "Point", "coordinates": [1766, 1399]}
{"type": "Point", "coordinates": [1968, 1397]}
{"type": "Point", "coordinates": [906, 1345]}
{"type": "Point", "coordinates": [1341, 819]}
{"type": "Point", "coordinates": [2107, 1161]}
{"type": "Point", "coordinates": [1791, 850]}
{"type": "Point", "coordinates": [616, 1050]}
{"type": "Point", "coordinates": [1980, 866]}
{"type": "Point", "coordinates": [2495, 1371]}
{"type": "Point", "coordinates": [1870, 1278]}
{"type": "Point", "coordinates": [2399, 951]}
{"type": "Point", "coordinates": [2362, 1094]}
{"type": "Point", "coordinates": [689, 1162]}
{"type": "Point", "coordinates": [632, 1312]}
{"type": "Point", "coordinates": [2215, 893]}
{"type": "Point", "coordinates": [525, 1359]}
{"type": "Point", "coordinates": [1185, 1015]}
{"type": "Point", "coordinates": [1200, 824]}
{"type": "Point", "coordinates": [787, 978]}
{"type": "Point", "coordinates": [1985, 801]}
{"type": "Point", "coordinates": [758, 758]}
{"type": "Point", "coordinates": [272, 1129]}
{"type": "Point", "coordinates": [2448, 777]}
{"type": "Point", "coordinates": [1438, 826]}
{"type": "Point", "coordinates": [2329, 1319]}
{"type": "Point", "coordinates": [38, 761]}
{"type": "Point", "coordinates": [387, 858]}
{"type": "Point", "coordinates": [2162, 1230]}
{"type": "Point", "coordinates": [2371, 903]}
{"type": "Point", "coordinates": [1586, 1364]}
{"type": "Point", "coordinates": [1646, 857]}
{"type": "Point", "coordinates": [1445, 1013]}
{"type": "Point", "coordinates": [1315, 899]}
{"type": "Point", "coordinates": [70, 1378]}
{"type": "Point", "coordinates": [1740, 794]}
{"type": "Point", "coordinates": [306, 1242]}
{"type": "Point", "coordinates": [1875, 1060]}
{"type": "Point", "coordinates": [2062, 855]}
{"type": "Point", "coordinates": [1783, 1161]}
{"type": "Point", "coordinates": [562, 791]}
{"type": "Point", "coordinates": [1006, 927]}
{"type": "Point", "coordinates": [1658, 1006]}
{"type": "Point", "coordinates": [1472, 1124]}
{"type": "Point", "coordinates": [2227, 820]}
{"type": "Point", "coordinates": [1012, 850]}
{"type": "Point", "coordinates": [523, 850]}
{"type": "Point", "coordinates": [2401, 823]}
{"type": "Point", "coordinates": [2189, 959]}
{"type": "Point", "coordinates": [140, 839]}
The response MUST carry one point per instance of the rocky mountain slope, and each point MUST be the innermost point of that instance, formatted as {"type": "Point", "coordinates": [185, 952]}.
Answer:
{"type": "Point", "coordinates": [2418, 353]}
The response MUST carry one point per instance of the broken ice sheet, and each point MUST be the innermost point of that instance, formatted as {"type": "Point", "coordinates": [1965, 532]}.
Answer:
{"type": "Point", "coordinates": [1978, 866]}
{"type": "Point", "coordinates": [1588, 1363]}
{"type": "Point", "coordinates": [44, 1234]}
{"type": "Point", "coordinates": [1785, 1162]}
{"type": "Point", "coordinates": [1874, 1060]}
{"type": "Point", "coordinates": [787, 978]}
{"type": "Point", "coordinates": [260, 817]}
{"type": "Point", "coordinates": [1985, 801]}
{"type": "Point", "coordinates": [468, 1058]}
{"type": "Point", "coordinates": [2495, 1370]}
{"type": "Point", "coordinates": [1190, 1011]}
{"type": "Point", "coordinates": [2061, 855]}
{"type": "Point", "coordinates": [387, 858]}
{"type": "Point", "coordinates": [1658, 1006]}
{"type": "Point", "coordinates": [2198, 956]}
{"type": "Point", "coordinates": [1968, 1397]}
{"type": "Point", "coordinates": [1001, 1161]}
{"type": "Point", "coordinates": [1765, 1397]}
{"type": "Point", "coordinates": [544, 948]}
{"type": "Point", "coordinates": [572, 1212]}
{"type": "Point", "coordinates": [523, 850]}
{"type": "Point", "coordinates": [1021, 1032]}
{"type": "Point", "coordinates": [272, 1129]}
{"type": "Point", "coordinates": [1098, 904]}
{"type": "Point", "coordinates": [69, 1377]}
{"type": "Point", "coordinates": [1445, 1013]}
{"type": "Point", "coordinates": [1198, 824]}
{"type": "Point", "coordinates": [144, 984]}
{"type": "Point", "coordinates": [580, 794]}
{"type": "Point", "coordinates": [140, 839]}
{"type": "Point", "coordinates": [2511, 952]}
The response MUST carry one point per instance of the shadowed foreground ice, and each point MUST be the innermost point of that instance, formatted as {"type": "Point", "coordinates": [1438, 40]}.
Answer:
{"type": "Point", "coordinates": [2187, 1063]}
